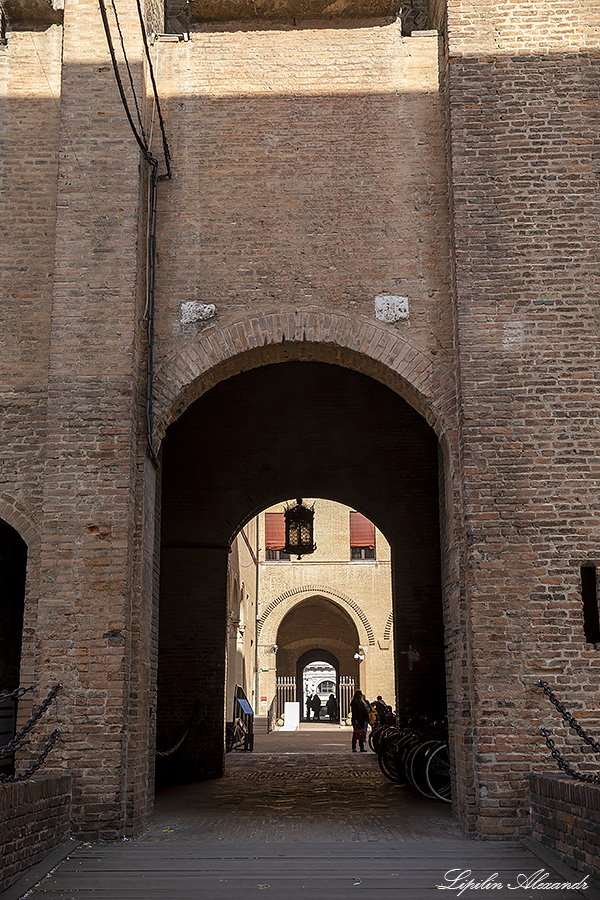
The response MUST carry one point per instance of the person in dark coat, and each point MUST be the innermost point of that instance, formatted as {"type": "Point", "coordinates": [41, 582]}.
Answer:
{"type": "Point", "coordinates": [360, 721]}
{"type": "Point", "coordinates": [381, 710]}
{"type": "Point", "coordinates": [332, 708]}
{"type": "Point", "coordinates": [308, 705]}
{"type": "Point", "coordinates": [316, 706]}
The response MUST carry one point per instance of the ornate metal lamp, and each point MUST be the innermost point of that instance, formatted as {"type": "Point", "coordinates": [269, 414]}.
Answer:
{"type": "Point", "coordinates": [299, 538]}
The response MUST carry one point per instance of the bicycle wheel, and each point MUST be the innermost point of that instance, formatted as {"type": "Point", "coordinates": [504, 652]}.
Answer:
{"type": "Point", "coordinates": [385, 757]}
{"type": "Point", "coordinates": [374, 736]}
{"type": "Point", "coordinates": [377, 735]}
{"type": "Point", "coordinates": [402, 752]}
{"type": "Point", "coordinates": [437, 773]}
{"type": "Point", "coordinates": [416, 766]}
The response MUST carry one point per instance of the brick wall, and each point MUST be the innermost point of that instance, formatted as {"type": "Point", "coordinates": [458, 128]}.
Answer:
{"type": "Point", "coordinates": [309, 171]}
{"type": "Point", "coordinates": [310, 176]}
{"type": "Point", "coordinates": [34, 818]}
{"type": "Point", "coordinates": [523, 111]}
{"type": "Point", "coordinates": [30, 86]}
{"type": "Point", "coordinates": [565, 817]}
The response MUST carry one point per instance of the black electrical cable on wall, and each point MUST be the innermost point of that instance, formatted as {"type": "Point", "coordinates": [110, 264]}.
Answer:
{"type": "Point", "coordinates": [153, 164]}
{"type": "Point", "coordinates": [142, 143]}
{"type": "Point", "coordinates": [166, 151]}
{"type": "Point", "coordinates": [135, 99]}
{"type": "Point", "coordinates": [150, 327]}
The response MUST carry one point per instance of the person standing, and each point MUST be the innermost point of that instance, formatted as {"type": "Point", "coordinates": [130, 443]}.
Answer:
{"type": "Point", "coordinates": [332, 708]}
{"type": "Point", "coordinates": [308, 706]}
{"type": "Point", "coordinates": [381, 710]}
{"type": "Point", "coordinates": [316, 706]}
{"type": "Point", "coordinates": [360, 721]}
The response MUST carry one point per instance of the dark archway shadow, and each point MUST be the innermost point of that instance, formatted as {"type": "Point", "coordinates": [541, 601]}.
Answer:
{"type": "Point", "coordinates": [290, 429]}
{"type": "Point", "coordinates": [13, 567]}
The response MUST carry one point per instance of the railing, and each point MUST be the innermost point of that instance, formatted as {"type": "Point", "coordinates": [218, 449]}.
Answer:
{"type": "Point", "coordinates": [242, 730]}
{"type": "Point", "coordinates": [286, 692]}
{"type": "Point", "coordinates": [346, 694]}
{"type": "Point", "coordinates": [8, 717]}
{"type": "Point", "coordinates": [571, 721]}
{"type": "Point", "coordinates": [7, 750]}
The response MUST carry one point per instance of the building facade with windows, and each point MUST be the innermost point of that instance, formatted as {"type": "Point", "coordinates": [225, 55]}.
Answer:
{"type": "Point", "coordinates": [337, 601]}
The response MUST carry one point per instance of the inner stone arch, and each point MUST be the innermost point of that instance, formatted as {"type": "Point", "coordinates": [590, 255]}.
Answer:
{"type": "Point", "coordinates": [270, 620]}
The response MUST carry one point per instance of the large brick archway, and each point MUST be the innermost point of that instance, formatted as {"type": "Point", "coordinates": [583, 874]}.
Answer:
{"type": "Point", "coordinates": [363, 368]}
{"type": "Point", "coordinates": [369, 347]}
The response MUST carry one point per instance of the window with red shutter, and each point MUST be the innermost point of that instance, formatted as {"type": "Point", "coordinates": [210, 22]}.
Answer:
{"type": "Point", "coordinates": [275, 537]}
{"type": "Point", "coordinates": [362, 537]}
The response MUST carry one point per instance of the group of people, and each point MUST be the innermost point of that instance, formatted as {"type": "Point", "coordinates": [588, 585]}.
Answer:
{"type": "Point", "coordinates": [364, 714]}
{"type": "Point", "coordinates": [314, 703]}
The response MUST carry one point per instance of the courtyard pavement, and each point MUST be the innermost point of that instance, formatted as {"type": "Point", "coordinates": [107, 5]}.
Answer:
{"type": "Point", "coordinates": [302, 816]}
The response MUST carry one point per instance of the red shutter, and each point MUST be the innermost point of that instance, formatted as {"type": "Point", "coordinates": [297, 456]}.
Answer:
{"type": "Point", "coordinates": [362, 531]}
{"type": "Point", "coordinates": [274, 531]}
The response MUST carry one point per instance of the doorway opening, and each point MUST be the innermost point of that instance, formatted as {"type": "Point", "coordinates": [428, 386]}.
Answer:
{"type": "Point", "coordinates": [13, 565]}
{"type": "Point", "coordinates": [310, 429]}
{"type": "Point", "coordinates": [319, 689]}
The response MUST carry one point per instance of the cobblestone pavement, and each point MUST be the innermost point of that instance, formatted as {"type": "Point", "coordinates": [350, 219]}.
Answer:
{"type": "Point", "coordinates": [301, 786]}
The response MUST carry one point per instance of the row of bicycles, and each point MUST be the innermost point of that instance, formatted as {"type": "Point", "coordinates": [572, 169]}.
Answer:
{"type": "Point", "coordinates": [415, 754]}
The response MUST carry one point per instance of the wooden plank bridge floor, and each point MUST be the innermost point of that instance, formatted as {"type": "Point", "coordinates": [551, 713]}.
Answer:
{"type": "Point", "coordinates": [301, 817]}
{"type": "Point", "coordinates": [405, 870]}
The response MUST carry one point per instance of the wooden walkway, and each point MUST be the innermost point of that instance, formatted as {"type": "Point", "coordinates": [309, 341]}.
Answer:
{"type": "Point", "coordinates": [301, 817]}
{"type": "Point", "coordinates": [406, 870]}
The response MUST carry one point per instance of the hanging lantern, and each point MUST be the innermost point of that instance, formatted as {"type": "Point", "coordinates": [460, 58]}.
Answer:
{"type": "Point", "coordinates": [299, 529]}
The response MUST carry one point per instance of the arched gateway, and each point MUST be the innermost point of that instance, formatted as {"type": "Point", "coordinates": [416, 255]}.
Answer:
{"type": "Point", "coordinates": [369, 287]}
{"type": "Point", "coordinates": [283, 405]}
{"type": "Point", "coordinates": [292, 417]}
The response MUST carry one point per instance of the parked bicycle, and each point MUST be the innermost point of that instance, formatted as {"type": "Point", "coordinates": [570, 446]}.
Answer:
{"type": "Point", "coordinates": [416, 755]}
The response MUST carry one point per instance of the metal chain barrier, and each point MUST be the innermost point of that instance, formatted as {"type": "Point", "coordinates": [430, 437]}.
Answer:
{"type": "Point", "coordinates": [4, 779]}
{"type": "Point", "coordinates": [36, 716]}
{"type": "Point", "coordinates": [569, 719]}
{"type": "Point", "coordinates": [183, 737]}
{"type": "Point", "coordinates": [576, 727]}
{"type": "Point", "coordinates": [14, 694]}
{"type": "Point", "coordinates": [9, 748]}
{"type": "Point", "coordinates": [177, 745]}
{"type": "Point", "coordinates": [562, 764]}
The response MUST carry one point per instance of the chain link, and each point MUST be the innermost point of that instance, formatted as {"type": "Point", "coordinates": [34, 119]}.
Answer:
{"type": "Point", "coordinates": [4, 779]}
{"type": "Point", "coordinates": [576, 727]}
{"type": "Point", "coordinates": [7, 749]}
{"type": "Point", "coordinates": [569, 719]}
{"type": "Point", "coordinates": [562, 764]}
{"type": "Point", "coordinates": [183, 737]}
{"type": "Point", "coordinates": [18, 692]}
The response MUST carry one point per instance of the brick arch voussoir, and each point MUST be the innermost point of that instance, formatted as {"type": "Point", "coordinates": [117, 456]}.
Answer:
{"type": "Point", "coordinates": [15, 515]}
{"type": "Point", "coordinates": [387, 633]}
{"type": "Point", "coordinates": [274, 613]}
{"type": "Point", "coordinates": [375, 349]}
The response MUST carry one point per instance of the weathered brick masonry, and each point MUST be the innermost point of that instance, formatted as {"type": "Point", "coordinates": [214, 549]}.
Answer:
{"type": "Point", "coordinates": [565, 816]}
{"type": "Point", "coordinates": [317, 166]}
{"type": "Point", "coordinates": [523, 110]}
{"type": "Point", "coordinates": [35, 817]}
